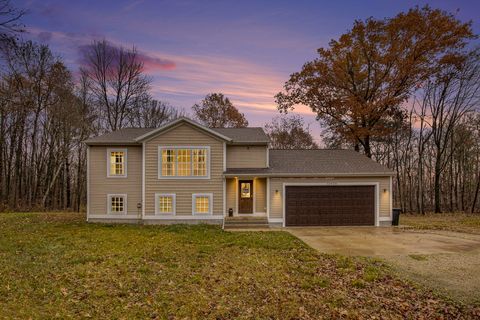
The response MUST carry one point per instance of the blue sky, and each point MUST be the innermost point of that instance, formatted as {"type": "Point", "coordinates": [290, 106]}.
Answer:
{"type": "Point", "coordinates": [244, 49]}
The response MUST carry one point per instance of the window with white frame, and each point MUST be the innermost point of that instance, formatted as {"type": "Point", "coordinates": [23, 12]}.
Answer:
{"type": "Point", "coordinates": [168, 162]}
{"type": "Point", "coordinates": [183, 162]}
{"type": "Point", "coordinates": [117, 204]}
{"type": "Point", "coordinates": [117, 162]}
{"type": "Point", "coordinates": [202, 203]}
{"type": "Point", "coordinates": [199, 162]}
{"type": "Point", "coordinates": [164, 203]}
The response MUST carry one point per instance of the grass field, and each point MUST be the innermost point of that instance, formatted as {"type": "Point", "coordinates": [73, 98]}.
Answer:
{"type": "Point", "coordinates": [460, 222]}
{"type": "Point", "coordinates": [54, 265]}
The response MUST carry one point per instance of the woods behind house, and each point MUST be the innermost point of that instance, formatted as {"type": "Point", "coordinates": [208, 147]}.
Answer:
{"type": "Point", "coordinates": [46, 113]}
{"type": "Point", "coordinates": [404, 91]}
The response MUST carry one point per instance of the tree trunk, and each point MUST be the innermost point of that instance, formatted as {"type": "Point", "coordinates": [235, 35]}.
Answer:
{"type": "Point", "coordinates": [367, 147]}
{"type": "Point", "coordinates": [436, 188]}
{"type": "Point", "coordinates": [475, 196]}
{"type": "Point", "coordinates": [49, 188]}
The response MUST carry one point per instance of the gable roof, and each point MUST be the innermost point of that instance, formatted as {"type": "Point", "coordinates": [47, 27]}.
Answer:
{"type": "Point", "coordinates": [173, 123]}
{"type": "Point", "coordinates": [135, 136]}
{"type": "Point", "coordinates": [332, 162]}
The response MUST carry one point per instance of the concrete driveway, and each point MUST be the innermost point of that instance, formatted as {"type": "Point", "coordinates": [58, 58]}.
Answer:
{"type": "Point", "coordinates": [383, 241]}
{"type": "Point", "coordinates": [445, 261]}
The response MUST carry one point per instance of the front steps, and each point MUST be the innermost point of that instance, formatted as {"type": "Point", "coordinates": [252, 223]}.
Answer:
{"type": "Point", "coordinates": [245, 222]}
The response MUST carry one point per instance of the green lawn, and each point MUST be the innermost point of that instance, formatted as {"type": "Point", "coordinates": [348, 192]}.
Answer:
{"type": "Point", "coordinates": [460, 222]}
{"type": "Point", "coordinates": [57, 266]}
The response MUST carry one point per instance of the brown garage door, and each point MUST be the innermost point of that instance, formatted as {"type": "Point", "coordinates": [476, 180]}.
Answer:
{"type": "Point", "coordinates": [330, 205]}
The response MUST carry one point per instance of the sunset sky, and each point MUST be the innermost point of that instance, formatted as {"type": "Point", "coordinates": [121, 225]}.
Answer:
{"type": "Point", "coordinates": [244, 49]}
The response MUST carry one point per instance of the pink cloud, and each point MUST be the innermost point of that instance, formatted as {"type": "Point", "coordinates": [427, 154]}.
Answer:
{"type": "Point", "coordinates": [152, 64]}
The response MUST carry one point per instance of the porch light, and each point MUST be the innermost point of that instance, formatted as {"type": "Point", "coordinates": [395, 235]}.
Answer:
{"type": "Point", "coordinates": [276, 191]}
{"type": "Point", "coordinates": [384, 190]}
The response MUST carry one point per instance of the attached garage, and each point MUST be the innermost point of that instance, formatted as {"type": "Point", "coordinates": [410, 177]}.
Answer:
{"type": "Point", "coordinates": [340, 205]}
{"type": "Point", "coordinates": [323, 187]}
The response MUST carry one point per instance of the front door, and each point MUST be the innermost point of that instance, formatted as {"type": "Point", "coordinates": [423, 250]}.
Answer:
{"type": "Point", "coordinates": [245, 196]}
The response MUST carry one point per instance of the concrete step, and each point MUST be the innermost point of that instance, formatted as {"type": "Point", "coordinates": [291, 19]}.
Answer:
{"type": "Point", "coordinates": [245, 218]}
{"type": "Point", "coordinates": [246, 223]}
{"type": "Point", "coordinates": [246, 227]}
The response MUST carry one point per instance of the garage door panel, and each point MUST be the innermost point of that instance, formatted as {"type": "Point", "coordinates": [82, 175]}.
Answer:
{"type": "Point", "coordinates": [329, 205]}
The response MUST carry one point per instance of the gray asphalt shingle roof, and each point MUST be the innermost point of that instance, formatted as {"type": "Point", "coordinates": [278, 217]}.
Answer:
{"type": "Point", "coordinates": [244, 135]}
{"type": "Point", "coordinates": [122, 136]}
{"type": "Point", "coordinates": [317, 161]}
{"type": "Point", "coordinates": [128, 135]}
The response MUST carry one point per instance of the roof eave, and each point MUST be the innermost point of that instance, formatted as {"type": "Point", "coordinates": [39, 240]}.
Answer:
{"type": "Point", "coordinates": [116, 143]}
{"type": "Point", "coordinates": [301, 175]}
{"type": "Point", "coordinates": [248, 143]}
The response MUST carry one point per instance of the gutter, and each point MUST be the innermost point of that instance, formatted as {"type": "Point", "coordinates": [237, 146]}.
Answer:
{"type": "Point", "coordinates": [313, 175]}
{"type": "Point", "coordinates": [113, 144]}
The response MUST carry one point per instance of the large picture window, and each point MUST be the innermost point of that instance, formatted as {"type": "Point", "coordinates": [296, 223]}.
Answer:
{"type": "Point", "coordinates": [117, 163]}
{"type": "Point", "coordinates": [184, 162]}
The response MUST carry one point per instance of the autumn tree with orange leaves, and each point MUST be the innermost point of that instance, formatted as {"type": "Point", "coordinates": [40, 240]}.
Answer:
{"type": "Point", "coordinates": [357, 85]}
{"type": "Point", "coordinates": [217, 111]}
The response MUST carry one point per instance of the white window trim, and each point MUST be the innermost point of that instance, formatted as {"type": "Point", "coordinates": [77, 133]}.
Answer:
{"type": "Point", "coordinates": [210, 205]}
{"type": "Point", "coordinates": [125, 151]}
{"type": "Point", "coordinates": [174, 204]}
{"type": "Point", "coordinates": [160, 148]}
{"type": "Point", "coordinates": [109, 204]}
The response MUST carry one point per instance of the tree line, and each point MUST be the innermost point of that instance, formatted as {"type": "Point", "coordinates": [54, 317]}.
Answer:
{"type": "Point", "coordinates": [403, 91]}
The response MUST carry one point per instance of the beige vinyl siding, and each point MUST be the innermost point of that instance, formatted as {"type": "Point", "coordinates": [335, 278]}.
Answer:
{"type": "Point", "coordinates": [276, 210]}
{"type": "Point", "coordinates": [101, 185]}
{"type": "Point", "coordinates": [246, 156]}
{"type": "Point", "coordinates": [260, 191]}
{"type": "Point", "coordinates": [231, 189]}
{"type": "Point", "coordinates": [183, 135]}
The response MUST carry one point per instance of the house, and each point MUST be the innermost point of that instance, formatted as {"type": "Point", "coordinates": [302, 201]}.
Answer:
{"type": "Point", "coordinates": [184, 172]}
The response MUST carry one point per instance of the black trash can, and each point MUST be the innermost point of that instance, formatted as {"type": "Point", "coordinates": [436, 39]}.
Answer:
{"type": "Point", "coordinates": [395, 216]}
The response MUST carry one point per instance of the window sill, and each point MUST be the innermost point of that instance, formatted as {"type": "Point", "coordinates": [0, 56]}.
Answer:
{"type": "Point", "coordinates": [183, 178]}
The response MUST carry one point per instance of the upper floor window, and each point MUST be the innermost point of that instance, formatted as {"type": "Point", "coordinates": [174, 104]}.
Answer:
{"type": "Point", "coordinates": [117, 162]}
{"type": "Point", "coordinates": [184, 162]}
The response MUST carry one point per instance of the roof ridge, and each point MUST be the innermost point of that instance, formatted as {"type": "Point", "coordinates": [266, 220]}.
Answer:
{"type": "Point", "coordinates": [240, 128]}
{"type": "Point", "coordinates": [315, 149]}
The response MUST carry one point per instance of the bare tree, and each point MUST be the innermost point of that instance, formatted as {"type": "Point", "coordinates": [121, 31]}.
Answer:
{"type": "Point", "coordinates": [116, 80]}
{"type": "Point", "coordinates": [10, 22]}
{"type": "Point", "coordinates": [452, 94]}
{"type": "Point", "coordinates": [151, 113]}
{"type": "Point", "coordinates": [289, 132]}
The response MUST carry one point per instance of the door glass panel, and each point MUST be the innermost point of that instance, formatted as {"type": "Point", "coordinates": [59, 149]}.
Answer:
{"type": "Point", "coordinates": [245, 190]}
